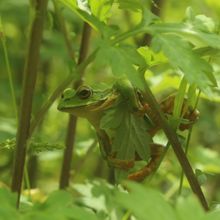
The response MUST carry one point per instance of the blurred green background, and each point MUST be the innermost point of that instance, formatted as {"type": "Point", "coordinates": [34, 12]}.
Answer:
{"type": "Point", "coordinates": [55, 65]}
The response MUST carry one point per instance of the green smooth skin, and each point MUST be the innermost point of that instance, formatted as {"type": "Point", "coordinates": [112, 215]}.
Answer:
{"type": "Point", "coordinates": [93, 106]}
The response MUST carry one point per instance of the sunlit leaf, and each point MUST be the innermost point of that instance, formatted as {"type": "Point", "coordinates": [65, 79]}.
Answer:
{"type": "Point", "coordinates": [123, 60]}
{"type": "Point", "coordinates": [133, 5]}
{"type": "Point", "coordinates": [181, 56]}
{"type": "Point", "coordinates": [150, 200]}
{"type": "Point", "coordinates": [101, 8]}
{"type": "Point", "coordinates": [189, 208]}
{"type": "Point", "coordinates": [83, 11]}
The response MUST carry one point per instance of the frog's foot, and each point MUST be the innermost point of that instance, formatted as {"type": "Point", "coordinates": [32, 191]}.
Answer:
{"type": "Point", "coordinates": [120, 164]}
{"type": "Point", "coordinates": [140, 175]}
{"type": "Point", "coordinates": [142, 110]}
{"type": "Point", "coordinates": [191, 116]}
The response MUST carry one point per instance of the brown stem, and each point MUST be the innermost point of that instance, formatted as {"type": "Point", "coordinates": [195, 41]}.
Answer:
{"type": "Point", "coordinates": [156, 6]}
{"type": "Point", "coordinates": [30, 75]}
{"type": "Point", "coordinates": [174, 141]}
{"type": "Point", "coordinates": [67, 157]}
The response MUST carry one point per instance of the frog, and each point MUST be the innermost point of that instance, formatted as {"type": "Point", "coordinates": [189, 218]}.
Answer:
{"type": "Point", "coordinates": [92, 104]}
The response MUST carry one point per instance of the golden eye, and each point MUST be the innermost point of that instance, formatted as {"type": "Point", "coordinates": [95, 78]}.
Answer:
{"type": "Point", "coordinates": [84, 92]}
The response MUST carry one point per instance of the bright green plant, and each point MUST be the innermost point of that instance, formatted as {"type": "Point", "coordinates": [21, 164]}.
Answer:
{"type": "Point", "coordinates": [180, 56]}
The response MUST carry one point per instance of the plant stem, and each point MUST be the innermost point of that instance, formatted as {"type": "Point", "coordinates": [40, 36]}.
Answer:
{"type": "Point", "coordinates": [8, 67]}
{"type": "Point", "coordinates": [71, 130]}
{"type": "Point", "coordinates": [174, 141]}
{"type": "Point", "coordinates": [187, 148]}
{"type": "Point", "coordinates": [30, 75]}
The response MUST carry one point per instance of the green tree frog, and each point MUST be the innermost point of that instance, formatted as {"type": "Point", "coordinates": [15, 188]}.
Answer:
{"type": "Point", "coordinates": [124, 123]}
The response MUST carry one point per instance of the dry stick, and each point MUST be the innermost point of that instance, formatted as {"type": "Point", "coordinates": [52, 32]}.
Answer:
{"type": "Point", "coordinates": [30, 75]}
{"type": "Point", "coordinates": [70, 137]}
{"type": "Point", "coordinates": [174, 141]}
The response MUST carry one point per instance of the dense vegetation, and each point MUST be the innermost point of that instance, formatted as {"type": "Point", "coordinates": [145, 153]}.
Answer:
{"type": "Point", "coordinates": [51, 166]}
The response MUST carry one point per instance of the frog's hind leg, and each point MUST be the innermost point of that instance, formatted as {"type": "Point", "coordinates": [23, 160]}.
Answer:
{"type": "Point", "coordinates": [156, 152]}
{"type": "Point", "coordinates": [119, 163]}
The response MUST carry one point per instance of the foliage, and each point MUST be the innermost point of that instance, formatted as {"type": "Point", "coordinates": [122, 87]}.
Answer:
{"type": "Point", "coordinates": [130, 134]}
{"type": "Point", "coordinates": [99, 200]}
{"type": "Point", "coordinates": [181, 56]}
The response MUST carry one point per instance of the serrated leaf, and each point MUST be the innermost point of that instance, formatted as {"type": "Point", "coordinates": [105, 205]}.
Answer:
{"type": "Point", "coordinates": [200, 22]}
{"type": "Point", "coordinates": [129, 134]}
{"type": "Point", "coordinates": [101, 8]}
{"type": "Point", "coordinates": [122, 59]}
{"type": "Point", "coordinates": [83, 11]}
{"type": "Point", "coordinates": [108, 122]}
{"type": "Point", "coordinates": [190, 32]}
{"type": "Point", "coordinates": [181, 56]}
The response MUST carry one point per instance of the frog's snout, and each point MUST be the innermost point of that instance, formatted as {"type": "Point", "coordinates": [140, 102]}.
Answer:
{"type": "Point", "coordinates": [59, 107]}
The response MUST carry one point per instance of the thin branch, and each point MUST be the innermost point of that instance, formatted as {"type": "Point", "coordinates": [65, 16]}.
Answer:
{"type": "Point", "coordinates": [8, 67]}
{"type": "Point", "coordinates": [70, 137]}
{"type": "Point", "coordinates": [187, 146]}
{"type": "Point", "coordinates": [174, 141]}
{"type": "Point", "coordinates": [30, 75]}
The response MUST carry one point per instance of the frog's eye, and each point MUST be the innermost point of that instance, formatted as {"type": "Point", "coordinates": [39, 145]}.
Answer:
{"type": "Point", "coordinates": [84, 92]}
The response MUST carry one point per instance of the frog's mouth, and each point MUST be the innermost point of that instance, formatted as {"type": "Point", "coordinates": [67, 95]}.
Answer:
{"type": "Point", "coordinates": [100, 105]}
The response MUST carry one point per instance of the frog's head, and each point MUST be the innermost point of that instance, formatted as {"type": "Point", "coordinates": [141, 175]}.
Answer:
{"type": "Point", "coordinates": [85, 101]}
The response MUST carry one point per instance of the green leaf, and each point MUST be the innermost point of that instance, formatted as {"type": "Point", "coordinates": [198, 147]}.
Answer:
{"type": "Point", "coordinates": [201, 176]}
{"type": "Point", "coordinates": [129, 133]}
{"type": "Point", "coordinates": [123, 60]}
{"type": "Point", "coordinates": [133, 5]}
{"type": "Point", "coordinates": [79, 213]}
{"type": "Point", "coordinates": [8, 205]}
{"type": "Point", "coordinates": [82, 9]}
{"type": "Point", "coordinates": [214, 215]}
{"type": "Point", "coordinates": [200, 22]}
{"type": "Point", "coordinates": [189, 208]}
{"type": "Point", "coordinates": [60, 205]}
{"type": "Point", "coordinates": [101, 8]}
{"type": "Point", "coordinates": [59, 198]}
{"type": "Point", "coordinates": [145, 203]}
{"type": "Point", "coordinates": [181, 56]}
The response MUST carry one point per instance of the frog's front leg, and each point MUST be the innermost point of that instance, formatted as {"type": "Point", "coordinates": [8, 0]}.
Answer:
{"type": "Point", "coordinates": [156, 152]}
